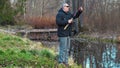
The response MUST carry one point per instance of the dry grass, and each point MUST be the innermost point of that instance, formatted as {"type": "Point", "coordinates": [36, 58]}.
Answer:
{"type": "Point", "coordinates": [42, 22]}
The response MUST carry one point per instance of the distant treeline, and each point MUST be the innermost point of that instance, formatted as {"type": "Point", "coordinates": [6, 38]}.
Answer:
{"type": "Point", "coordinates": [102, 16]}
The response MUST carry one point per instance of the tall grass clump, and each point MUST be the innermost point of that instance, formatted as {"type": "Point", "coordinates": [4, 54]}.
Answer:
{"type": "Point", "coordinates": [47, 53]}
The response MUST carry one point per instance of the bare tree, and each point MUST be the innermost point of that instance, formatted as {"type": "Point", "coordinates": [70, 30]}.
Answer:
{"type": "Point", "coordinates": [102, 15]}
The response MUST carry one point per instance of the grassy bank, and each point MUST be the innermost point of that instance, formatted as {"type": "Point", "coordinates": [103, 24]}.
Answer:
{"type": "Point", "coordinates": [20, 52]}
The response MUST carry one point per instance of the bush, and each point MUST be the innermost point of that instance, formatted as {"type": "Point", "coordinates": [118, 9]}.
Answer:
{"type": "Point", "coordinates": [42, 22]}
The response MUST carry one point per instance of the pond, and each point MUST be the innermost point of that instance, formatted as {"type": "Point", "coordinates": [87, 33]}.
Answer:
{"type": "Point", "coordinates": [95, 54]}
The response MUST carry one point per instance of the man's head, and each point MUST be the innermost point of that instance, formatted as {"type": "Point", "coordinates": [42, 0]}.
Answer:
{"type": "Point", "coordinates": [66, 7]}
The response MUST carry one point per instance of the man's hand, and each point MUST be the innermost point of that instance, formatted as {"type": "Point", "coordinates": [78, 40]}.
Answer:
{"type": "Point", "coordinates": [80, 9]}
{"type": "Point", "coordinates": [70, 20]}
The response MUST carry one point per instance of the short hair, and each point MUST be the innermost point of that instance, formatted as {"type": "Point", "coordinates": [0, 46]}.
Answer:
{"type": "Point", "coordinates": [64, 4]}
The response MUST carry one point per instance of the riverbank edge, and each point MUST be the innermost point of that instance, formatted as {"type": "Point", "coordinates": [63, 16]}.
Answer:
{"type": "Point", "coordinates": [90, 38]}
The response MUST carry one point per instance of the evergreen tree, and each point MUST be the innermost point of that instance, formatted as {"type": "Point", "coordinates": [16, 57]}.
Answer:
{"type": "Point", "coordinates": [8, 12]}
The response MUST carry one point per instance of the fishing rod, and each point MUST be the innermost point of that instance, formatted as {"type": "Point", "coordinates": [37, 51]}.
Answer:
{"type": "Point", "coordinates": [79, 3]}
{"type": "Point", "coordinates": [80, 9]}
{"type": "Point", "coordinates": [67, 25]}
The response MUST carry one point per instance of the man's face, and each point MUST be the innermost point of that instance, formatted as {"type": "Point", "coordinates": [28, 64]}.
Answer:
{"type": "Point", "coordinates": [66, 7]}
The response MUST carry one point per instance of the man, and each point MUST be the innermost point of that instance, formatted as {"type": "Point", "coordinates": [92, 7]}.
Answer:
{"type": "Point", "coordinates": [63, 18]}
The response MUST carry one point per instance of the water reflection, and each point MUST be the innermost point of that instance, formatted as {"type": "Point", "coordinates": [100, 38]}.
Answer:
{"type": "Point", "coordinates": [109, 56]}
{"type": "Point", "coordinates": [95, 54]}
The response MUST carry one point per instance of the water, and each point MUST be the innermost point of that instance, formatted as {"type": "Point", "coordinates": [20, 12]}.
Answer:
{"type": "Point", "coordinates": [95, 54]}
{"type": "Point", "coordinates": [109, 57]}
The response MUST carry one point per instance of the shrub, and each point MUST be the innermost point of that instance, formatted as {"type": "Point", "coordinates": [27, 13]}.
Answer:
{"type": "Point", "coordinates": [42, 22]}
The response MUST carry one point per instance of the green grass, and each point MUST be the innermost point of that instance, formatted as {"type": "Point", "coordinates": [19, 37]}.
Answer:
{"type": "Point", "coordinates": [16, 51]}
{"type": "Point", "coordinates": [10, 41]}
{"type": "Point", "coordinates": [25, 58]}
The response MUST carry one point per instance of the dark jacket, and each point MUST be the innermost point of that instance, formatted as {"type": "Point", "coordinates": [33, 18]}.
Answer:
{"type": "Point", "coordinates": [62, 20]}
